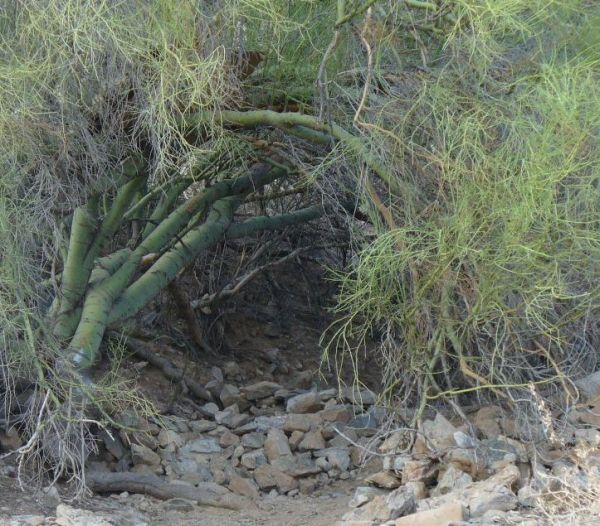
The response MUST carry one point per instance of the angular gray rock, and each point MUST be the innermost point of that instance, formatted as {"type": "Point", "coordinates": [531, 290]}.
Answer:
{"type": "Point", "coordinates": [253, 440]}
{"type": "Point", "coordinates": [300, 465]}
{"type": "Point", "coordinates": [268, 477]}
{"type": "Point", "coordinates": [202, 445]}
{"type": "Point", "coordinates": [202, 426]}
{"type": "Point", "coordinates": [264, 423]}
{"type": "Point", "coordinates": [401, 502]}
{"type": "Point", "coordinates": [253, 459]}
{"type": "Point", "coordinates": [259, 390]}
{"type": "Point", "coordinates": [440, 432]}
{"type": "Point", "coordinates": [358, 397]}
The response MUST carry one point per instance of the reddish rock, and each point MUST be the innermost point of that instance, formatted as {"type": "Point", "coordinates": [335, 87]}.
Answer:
{"type": "Point", "coordinates": [243, 486]}
{"type": "Point", "coordinates": [276, 445]}
{"type": "Point", "coordinates": [312, 441]}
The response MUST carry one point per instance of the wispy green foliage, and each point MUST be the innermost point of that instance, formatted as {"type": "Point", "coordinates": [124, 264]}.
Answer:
{"type": "Point", "coordinates": [493, 279]}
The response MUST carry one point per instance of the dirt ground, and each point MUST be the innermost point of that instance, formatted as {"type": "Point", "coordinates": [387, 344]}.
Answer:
{"type": "Point", "coordinates": [28, 508]}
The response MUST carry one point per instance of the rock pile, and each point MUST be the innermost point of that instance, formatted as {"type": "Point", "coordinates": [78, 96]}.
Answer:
{"type": "Point", "coordinates": [257, 439]}
{"type": "Point", "coordinates": [453, 476]}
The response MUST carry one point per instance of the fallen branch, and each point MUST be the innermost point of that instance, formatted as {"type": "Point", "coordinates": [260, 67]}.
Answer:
{"type": "Point", "coordinates": [205, 494]}
{"type": "Point", "coordinates": [233, 288]}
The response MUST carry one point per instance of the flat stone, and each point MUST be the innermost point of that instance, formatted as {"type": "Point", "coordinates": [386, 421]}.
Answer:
{"type": "Point", "coordinates": [183, 466]}
{"type": "Point", "coordinates": [300, 465]}
{"type": "Point", "coordinates": [253, 440]}
{"type": "Point", "coordinates": [143, 455]}
{"type": "Point", "coordinates": [268, 477]}
{"type": "Point", "coordinates": [312, 440]}
{"type": "Point", "coordinates": [499, 447]}
{"type": "Point", "coordinates": [464, 441]}
{"type": "Point", "coordinates": [259, 390]}
{"type": "Point", "coordinates": [202, 445]}
{"type": "Point", "coordinates": [264, 423]}
{"type": "Point", "coordinates": [304, 403]}
{"type": "Point", "coordinates": [202, 426]}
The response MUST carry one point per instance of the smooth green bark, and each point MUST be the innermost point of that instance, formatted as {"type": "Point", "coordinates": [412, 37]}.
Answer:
{"type": "Point", "coordinates": [296, 121]}
{"type": "Point", "coordinates": [84, 246]}
{"type": "Point", "coordinates": [163, 207]}
{"type": "Point", "coordinates": [113, 219]}
{"type": "Point", "coordinates": [74, 275]}
{"type": "Point", "coordinates": [109, 300]}
{"type": "Point", "coordinates": [261, 223]}
{"type": "Point", "coordinates": [164, 270]}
